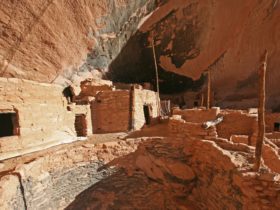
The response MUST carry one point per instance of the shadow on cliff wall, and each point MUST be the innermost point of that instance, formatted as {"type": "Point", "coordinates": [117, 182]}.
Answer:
{"type": "Point", "coordinates": [135, 64]}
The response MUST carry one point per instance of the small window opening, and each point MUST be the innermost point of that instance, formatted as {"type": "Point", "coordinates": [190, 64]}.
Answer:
{"type": "Point", "coordinates": [81, 125]}
{"type": "Point", "coordinates": [277, 126]}
{"type": "Point", "coordinates": [147, 114]}
{"type": "Point", "coordinates": [8, 124]}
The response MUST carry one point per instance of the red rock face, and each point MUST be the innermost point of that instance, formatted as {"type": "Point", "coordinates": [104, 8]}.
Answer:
{"type": "Point", "coordinates": [50, 41]}
{"type": "Point", "coordinates": [41, 39]}
{"type": "Point", "coordinates": [46, 40]}
{"type": "Point", "coordinates": [226, 37]}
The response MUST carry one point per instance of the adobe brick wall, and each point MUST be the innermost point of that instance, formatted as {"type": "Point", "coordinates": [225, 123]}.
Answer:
{"type": "Point", "coordinates": [111, 111]}
{"type": "Point", "coordinates": [43, 117]}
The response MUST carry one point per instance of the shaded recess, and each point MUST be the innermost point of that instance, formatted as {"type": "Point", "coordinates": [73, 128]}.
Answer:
{"type": "Point", "coordinates": [7, 124]}
{"type": "Point", "coordinates": [135, 64]}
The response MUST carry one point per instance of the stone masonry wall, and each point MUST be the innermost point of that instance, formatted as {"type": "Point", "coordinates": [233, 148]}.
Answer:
{"type": "Point", "coordinates": [111, 111]}
{"type": "Point", "coordinates": [43, 117]}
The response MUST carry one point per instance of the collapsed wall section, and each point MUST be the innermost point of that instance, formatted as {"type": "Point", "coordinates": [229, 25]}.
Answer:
{"type": "Point", "coordinates": [223, 169]}
{"type": "Point", "coordinates": [186, 172]}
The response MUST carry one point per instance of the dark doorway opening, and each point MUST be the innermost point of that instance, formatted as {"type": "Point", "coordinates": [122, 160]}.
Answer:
{"type": "Point", "coordinates": [147, 114]}
{"type": "Point", "coordinates": [195, 104]}
{"type": "Point", "coordinates": [277, 126]}
{"type": "Point", "coordinates": [81, 125]}
{"type": "Point", "coordinates": [8, 124]}
{"type": "Point", "coordinates": [69, 94]}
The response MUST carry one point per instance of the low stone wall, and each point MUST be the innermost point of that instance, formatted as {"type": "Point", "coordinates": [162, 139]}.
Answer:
{"type": "Point", "coordinates": [179, 128]}
{"type": "Point", "coordinates": [197, 115]}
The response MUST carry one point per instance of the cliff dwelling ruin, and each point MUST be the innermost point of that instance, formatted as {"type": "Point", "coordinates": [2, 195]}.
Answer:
{"type": "Point", "coordinates": [139, 104]}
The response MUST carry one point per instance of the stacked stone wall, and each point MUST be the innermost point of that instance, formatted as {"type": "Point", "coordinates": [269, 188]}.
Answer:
{"type": "Point", "coordinates": [111, 112]}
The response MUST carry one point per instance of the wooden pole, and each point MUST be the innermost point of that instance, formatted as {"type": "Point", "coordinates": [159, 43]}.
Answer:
{"type": "Point", "coordinates": [202, 100]}
{"type": "Point", "coordinates": [209, 90]}
{"type": "Point", "coordinates": [157, 81]}
{"type": "Point", "coordinates": [261, 112]}
{"type": "Point", "coordinates": [132, 107]}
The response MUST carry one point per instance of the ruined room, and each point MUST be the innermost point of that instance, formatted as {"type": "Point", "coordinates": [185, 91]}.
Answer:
{"type": "Point", "coordinates": [139, 104]}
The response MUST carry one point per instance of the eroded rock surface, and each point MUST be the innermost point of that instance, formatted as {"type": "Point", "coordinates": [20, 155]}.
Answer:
{"type": "Point", "coordinates": [51, 179]}
{"type": "Point", "coordinates": [61, 41]}
{"type": "Point", "coordinates": [172, 173]}
{"type": "Point", "coordinates": [192, 37]}
{"type": "Point", "coordinates": [50, 41]}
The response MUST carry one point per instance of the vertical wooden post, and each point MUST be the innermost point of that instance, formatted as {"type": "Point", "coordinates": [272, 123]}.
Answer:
{"type": "Point", "coordinates": [156, 69]}
{"type": "Point", "coordinates": [209, 90]}
{"type": "Point", "coordinates": [132, 108]}
{"type": "Point", "coordinates": [202, 100]}
{"type": "Point", "coordinates": [261, 112]}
